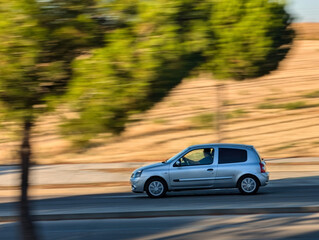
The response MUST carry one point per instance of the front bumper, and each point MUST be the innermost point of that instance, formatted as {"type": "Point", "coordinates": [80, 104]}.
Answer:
{"type": "Point", "coordinates": [137, 184]}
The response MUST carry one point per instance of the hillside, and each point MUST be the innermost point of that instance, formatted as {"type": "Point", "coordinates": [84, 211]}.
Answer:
{"type": "Point", "coordinates": [278, 114]}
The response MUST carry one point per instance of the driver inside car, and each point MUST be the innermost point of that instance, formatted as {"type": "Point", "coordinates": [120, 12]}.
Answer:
{"type": "Point", "coordinates": [207, 159]}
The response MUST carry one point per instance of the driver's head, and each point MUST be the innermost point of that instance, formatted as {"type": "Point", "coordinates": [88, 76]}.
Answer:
{"type": "Point", "coordinates": [207, 151]}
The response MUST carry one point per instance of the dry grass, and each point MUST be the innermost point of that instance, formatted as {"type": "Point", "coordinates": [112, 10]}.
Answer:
{"type": "Point", "coordinates": [307, 31]}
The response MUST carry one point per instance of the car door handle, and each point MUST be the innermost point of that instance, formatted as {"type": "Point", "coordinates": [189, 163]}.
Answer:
{"type": "Point", "coordinates": [210, 169]}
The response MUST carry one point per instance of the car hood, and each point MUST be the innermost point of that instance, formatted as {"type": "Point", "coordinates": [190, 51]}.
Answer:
{"type": "Point", "coordinates": [151, 166]}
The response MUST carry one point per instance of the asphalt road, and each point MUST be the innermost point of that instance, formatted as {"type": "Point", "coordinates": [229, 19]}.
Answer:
{"type": "Point", "coordinates": [262, 226]}
{"type": "Point", "coordinates": [268, 197]}
{"type": "Point", "coordinates": [285, 193]}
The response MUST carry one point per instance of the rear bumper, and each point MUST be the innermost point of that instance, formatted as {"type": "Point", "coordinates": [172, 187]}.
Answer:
{"type": "Point", "coordinates": [263, 178]}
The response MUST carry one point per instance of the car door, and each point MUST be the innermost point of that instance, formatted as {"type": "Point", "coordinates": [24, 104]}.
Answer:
{"type": "Point", "coordinates": [230, 165]}
{"type": "Point", "coordinates": [196, 170]}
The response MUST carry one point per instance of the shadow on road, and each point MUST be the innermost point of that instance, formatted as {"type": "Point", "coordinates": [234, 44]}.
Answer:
{"type": "Point", "coordinates": [283, 227]}
{"type": "Point", "coordinates": [302, 191]}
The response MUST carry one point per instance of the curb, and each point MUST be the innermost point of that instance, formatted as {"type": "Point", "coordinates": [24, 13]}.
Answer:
{"type": "Point", "coordinates": [166, 213]}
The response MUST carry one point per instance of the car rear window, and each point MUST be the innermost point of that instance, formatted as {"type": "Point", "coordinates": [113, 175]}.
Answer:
{"type": "Point", "coordinates": [232, 155]}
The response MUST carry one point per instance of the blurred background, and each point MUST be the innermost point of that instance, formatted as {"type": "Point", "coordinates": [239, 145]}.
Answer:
{"type": "Point", "coordinates": [276, 111]}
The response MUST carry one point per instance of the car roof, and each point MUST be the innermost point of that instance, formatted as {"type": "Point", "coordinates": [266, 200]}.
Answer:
{"type": "Point", "coordinates": [209, 145]}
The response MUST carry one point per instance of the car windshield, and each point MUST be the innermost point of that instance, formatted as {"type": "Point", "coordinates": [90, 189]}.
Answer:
{"type": "Point", "coordinates": [181, 153]}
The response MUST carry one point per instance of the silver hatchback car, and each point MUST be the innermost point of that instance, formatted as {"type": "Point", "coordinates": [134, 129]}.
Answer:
{"type": "Point", "coordinates": [201, 167]}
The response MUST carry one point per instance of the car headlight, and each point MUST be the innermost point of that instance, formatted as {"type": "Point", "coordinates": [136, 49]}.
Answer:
{"type": "Point", "coordinates": [137, 174]}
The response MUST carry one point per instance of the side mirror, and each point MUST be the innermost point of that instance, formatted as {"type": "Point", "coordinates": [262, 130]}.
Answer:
{"type": "Point", "coordinates": [178, 163]}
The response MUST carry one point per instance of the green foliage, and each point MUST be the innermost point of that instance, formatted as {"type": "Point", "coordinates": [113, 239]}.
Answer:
{"type": "Point", "coordinates": [39, 40]}
{"type": "Point", "coordinates": [159, 121]}
{"type": "Point", "coordinates": [208, 120]}
{"type": "Point", "coordinates": [156, 45]}
{"type": "Point", "coordinates": [268, 106]}
{"type": "Point", "coordinates": [295, 105]}
{"type": "Point", "coordinates": [204, 120]}
{"type": "Point", "coordinates": [286, 106]}
{"type": "Point", "coordinates": [238, 113]}
{"type": "Point", "coordinates": [19, 49]}
{"type": "Point", "coordinates": [314, 94]}
{"type": "Point", "coordinates": [250, 38]}
{"type": "Point", "coordinates": [227, 103]}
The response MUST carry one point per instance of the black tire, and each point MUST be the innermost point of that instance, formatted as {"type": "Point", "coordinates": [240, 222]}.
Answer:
{"type": "Point", "coordinates": [156, 188]}
{"type": "Point", "coordinates": [248, 185]}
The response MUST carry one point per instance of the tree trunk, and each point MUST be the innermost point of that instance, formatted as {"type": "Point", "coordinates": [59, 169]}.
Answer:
{"type": "Point", "coordinates": [219, 112]}
{"type": "Point", "coordinates": [27, 227]}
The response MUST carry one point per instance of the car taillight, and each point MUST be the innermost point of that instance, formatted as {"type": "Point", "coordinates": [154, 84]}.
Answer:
{"type": "Point", "coordinates": [262, 167]}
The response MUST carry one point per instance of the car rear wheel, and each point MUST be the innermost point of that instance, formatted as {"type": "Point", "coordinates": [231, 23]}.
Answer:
{"type": "Point", "coordinates": [248, 185]}
{"type": "Point", "coordinates": [156, 188]}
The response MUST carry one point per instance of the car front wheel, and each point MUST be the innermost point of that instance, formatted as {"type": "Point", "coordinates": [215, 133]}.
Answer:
{"type": "Point", "coordinates": [248, 185]}
{"type": "Point", "coordinates": [156, 188]}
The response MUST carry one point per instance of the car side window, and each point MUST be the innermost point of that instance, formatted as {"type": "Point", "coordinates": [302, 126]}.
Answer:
{"type": "Point", "coordinates": [231, 155]}
{"type": "Point", "coordinates": [203, 156]}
